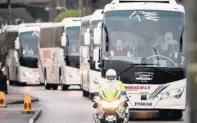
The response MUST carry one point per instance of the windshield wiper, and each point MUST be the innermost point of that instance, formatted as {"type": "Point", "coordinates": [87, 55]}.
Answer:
{"type": "Point", "coordinates": [133, 65]}
{"type": "Point", "coordinates": [181, 39]}
{"type": "Point", "coordinates": [167, 71]}
{"type": "Point", "coordinates": [107, 37]}
{"type": "Point", "coordinates": [156, 54]}
{"type": "Point", "coordinates": [158, 63]}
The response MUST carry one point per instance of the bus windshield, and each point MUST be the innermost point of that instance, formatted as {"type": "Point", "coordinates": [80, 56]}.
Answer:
{"type": "Point", "coordinates": [29, 44]}
{"type": "Point", "coordinates": [73, 40]}
{"type": "Point", "coordinates": [155, 37]}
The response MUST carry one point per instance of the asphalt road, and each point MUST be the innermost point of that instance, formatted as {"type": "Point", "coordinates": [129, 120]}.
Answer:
{"type": "Point", "coordinates": [70, 107]}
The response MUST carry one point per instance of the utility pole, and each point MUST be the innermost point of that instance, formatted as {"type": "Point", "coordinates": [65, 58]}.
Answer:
{"type": "Point", "coordinates": [60, 6]}
{"type": "Point", "coordinates": [9, 11]}
{"type": "Point", "coordinates": [81, 2]}
{"type": "Point", "coordinates": [191, 13]}
{"type": "Point", "coordinates": [52, 9]}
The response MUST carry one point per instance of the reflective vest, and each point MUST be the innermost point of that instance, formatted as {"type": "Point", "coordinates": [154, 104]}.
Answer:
{"type": "Point", "coordinates": [114, 85]}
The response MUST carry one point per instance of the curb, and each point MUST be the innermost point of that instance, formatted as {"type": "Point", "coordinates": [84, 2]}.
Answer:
{"type": "Point", "coordinates": [35, 116]}
{"type": "Point", "coordinates": [22, 101]}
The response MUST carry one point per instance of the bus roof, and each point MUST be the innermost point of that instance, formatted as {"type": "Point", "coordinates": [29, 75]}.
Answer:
{"type": "Point", "coordinates": [69, 22]}
{"type": "Point", "coordinates": [97, 15]}
{"type": "Point", "coordinates": [31, 28]}
{"type": "Point", "coordinates": [144, 6]}
{"type": "Point", "coordinates": [155, 1]}
{"type": "Point", "coordinates": [11, 28]}
{"type": "Point", "coordinates": [51, 25]}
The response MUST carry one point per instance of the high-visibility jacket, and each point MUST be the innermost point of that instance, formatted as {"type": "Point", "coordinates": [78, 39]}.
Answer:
{"type": "Point", "coordinates": [116, 85]}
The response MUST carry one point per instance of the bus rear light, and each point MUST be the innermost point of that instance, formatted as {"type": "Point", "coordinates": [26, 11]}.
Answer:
{"type": "Point", "coordinates": [25, 105]}
{"type": "Point", "coordinates": [1, 101]}
{"type": "Point", "coordinates": [30, 105]}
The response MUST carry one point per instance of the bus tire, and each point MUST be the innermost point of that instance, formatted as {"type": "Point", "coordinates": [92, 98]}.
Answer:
{"type": "Point", "coordinates": [54, 87]}
{"type": "Point", "coordinates": [65, 87]}
{"type": "Point", "coordinates": [85, 93]}
{"type": "Point", "coordinates": [171, 114]}
{"type": "Point", "coordinates": [47, 86]}
{"type": "Point", "coordinates": [11, 82]}
{"type": "Point", "coordinates": [41, 84]}
{"type": "Point", "coordinates": [18, 83]}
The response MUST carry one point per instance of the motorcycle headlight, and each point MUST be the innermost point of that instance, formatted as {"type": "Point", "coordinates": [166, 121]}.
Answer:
{"type": "Point", "coordinates": [113, 104]}
{"type": "Point", "coordinates": [176, 93]}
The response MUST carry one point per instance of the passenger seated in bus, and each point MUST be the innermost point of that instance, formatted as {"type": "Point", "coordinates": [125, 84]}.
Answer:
{"type": "Point", "coordinates": [167, 46]}
{"type": "Point", "coordinates": [73, 49]}
{"type": "Point", "coordinates": [28, 51]}
{"type": "Point", "coordinates": [120, 50]}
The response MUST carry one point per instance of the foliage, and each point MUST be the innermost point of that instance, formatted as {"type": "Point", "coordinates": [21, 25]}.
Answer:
{"type": "Point", "coordinates": [68, 13]}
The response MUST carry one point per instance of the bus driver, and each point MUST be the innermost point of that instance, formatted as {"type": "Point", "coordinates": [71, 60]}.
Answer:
{"type": "Point", "coordinates": [120, 50]}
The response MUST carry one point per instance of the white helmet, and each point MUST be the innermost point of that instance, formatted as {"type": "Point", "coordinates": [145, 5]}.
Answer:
{"type": "Point", "coordinates": [111, 74]}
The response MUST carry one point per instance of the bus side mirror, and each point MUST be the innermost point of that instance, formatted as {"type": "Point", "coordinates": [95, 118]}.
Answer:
{"type": "Point", "coordinates": [96, 55]}
{"type": "Point", "coordinates": [87, 37]}
{"type": "Point", "coordinates": [17, 44]}
{"type": "Point", "coordinates": [63, 40]}
{"type": "Point", "coordinates": [16, 55]}
{"type": "Point", "coordinates": [99, 65]}
{"type": "Point", "coordinates": [96, 58]}
{"type": "Point", "coordinates": [97, 34]}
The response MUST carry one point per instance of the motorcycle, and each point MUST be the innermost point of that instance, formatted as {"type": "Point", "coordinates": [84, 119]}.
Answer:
{"type": "Point", "coordinates": [111, 108]}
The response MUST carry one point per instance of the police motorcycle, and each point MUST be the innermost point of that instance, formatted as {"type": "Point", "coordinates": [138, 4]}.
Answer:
{"type": "Point", "coordinates": [112, 106]}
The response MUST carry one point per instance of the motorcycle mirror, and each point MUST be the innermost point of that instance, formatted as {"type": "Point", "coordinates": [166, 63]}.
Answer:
{"type": "Point", "coordinates": [95, 105]}
{"type": "Point", "coordinates": [126, 104]}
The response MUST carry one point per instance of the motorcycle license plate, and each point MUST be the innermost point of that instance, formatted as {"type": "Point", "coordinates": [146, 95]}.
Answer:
{"type": "Point", "coordinates": [110, 118]}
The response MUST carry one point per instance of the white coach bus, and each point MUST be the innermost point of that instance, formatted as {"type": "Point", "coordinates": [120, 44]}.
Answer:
{"type": "Point", "coordinates": [50, 54]}
{"type": "Point", "coordinates": [70, 74]}
{"type": "Point", "coordinates": [21, 62]}
{"type": "Point", "coordinates": [144, 41]}
{"type": "Point", "coordinates": [88, 66]}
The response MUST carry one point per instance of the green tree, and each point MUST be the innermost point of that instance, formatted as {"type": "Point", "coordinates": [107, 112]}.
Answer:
{"type": "Point", "coordinates": [68, 13]}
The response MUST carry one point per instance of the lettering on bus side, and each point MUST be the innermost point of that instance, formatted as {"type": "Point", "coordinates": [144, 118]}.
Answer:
{"type": "Point", "coordinates": [134, 88]}
{"type": "Point", "coordinates": [143, 104]}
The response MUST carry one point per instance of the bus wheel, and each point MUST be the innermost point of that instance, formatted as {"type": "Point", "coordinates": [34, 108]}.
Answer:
{"type": "Point", "coordinates": [11, 82]}
{"type": "Point", "coordinates": [171, 114]}
{"type": "Point", "coordinates": [65, 87]}
{"type": "Point", "coordinates": [18, 83]}
{"type": "Point", "coordinates": [24, 84]}
{"type": "Point", "coordinates": [55, 87]}
{"type": "Point", "coordinates": [47, 86]}
{"type": "Point", "coordinates": [85, 93]}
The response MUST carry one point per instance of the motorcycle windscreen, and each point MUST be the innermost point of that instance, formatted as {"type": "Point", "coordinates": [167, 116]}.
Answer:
{"type": "Point", "coordinates": [110, 95]}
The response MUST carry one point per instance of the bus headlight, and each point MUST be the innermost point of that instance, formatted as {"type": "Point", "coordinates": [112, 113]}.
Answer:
{"type": "Point", "coordinates": [176, 93]}
{"type": "Point", "coordinates": [25, 74]}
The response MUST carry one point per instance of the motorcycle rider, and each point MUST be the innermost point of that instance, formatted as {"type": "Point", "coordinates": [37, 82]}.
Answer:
{"type": "Point", "coordinates": [111, 83]}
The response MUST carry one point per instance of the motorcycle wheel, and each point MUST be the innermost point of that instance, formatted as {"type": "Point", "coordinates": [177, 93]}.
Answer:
{"type": "Point", "coordinates": [104, 121]}
{"type": "Point", "coordinates": [110, 122]}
